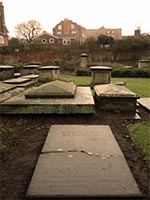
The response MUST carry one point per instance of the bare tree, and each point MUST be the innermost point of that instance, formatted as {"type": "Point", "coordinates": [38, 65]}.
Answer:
{"type": "Point", "coordinates": [28, 30]}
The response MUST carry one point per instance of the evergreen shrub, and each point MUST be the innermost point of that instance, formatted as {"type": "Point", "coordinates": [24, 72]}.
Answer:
{"type": "Point", "coordinates": [136, 73]}
{"type": "Point", "coordinates": [83, 72]}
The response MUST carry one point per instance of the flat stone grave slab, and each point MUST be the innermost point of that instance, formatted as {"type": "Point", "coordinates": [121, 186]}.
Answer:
{"type": "Point", "coordinates": [5, 87]}
{"type": "Point", "coordinates": [17, 80]}
{"type": "Point", "coordinates": [82, 161]}
{"type": "Point", "coordinates": [53, 89]}
{"type": "Point", "coordinates": [113, 90]}
{"type": "Point", "coordinates": [117, 98]}
{"type": "Point", "coordinates": [145, 102]}
{"type": "Point", "coordinates": [10, 93]}
{"type": "Point", "coordinates": [31, 76]}
{"type": "Point", "coordinates": [82, 102]}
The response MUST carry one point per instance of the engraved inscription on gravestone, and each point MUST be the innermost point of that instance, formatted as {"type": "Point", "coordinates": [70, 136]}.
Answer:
{"type": "Point", "coordinates": [100, 75]}
{"type": "Point", "coordinates": [101, 78]}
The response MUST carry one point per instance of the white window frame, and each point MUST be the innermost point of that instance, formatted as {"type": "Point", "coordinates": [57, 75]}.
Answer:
{"type": "Point", "coordinates": [59, 33]}
{"type": "Point", "coordinates": [51, 40]}
{"type": "Point", "coordinates": [44, 40]}
{"type": "Point", "coordinates": [72, 26]}
{"type": "Point", "coordinates": [66, 42]}
{"type": "Point", "coordinates": [60, 27]}
{"type": "Point", "coordinates": [73, 32]}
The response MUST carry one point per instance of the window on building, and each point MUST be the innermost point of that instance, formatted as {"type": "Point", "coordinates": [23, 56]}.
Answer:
{"type": "Point", "coordinates": [59, 33]}
{"type": "Point", "coordinates": [72, 26]}
{"type": "Point", "coordinates": [51, 40]}
{"type": "Point", "coordinates": [66, 42]}
{"type": "Point", "coordinates": [108, 32]}
{"type": "Point", "coordinates": [44, 40]}
{"type": "Point", "coordinates": [73, 32]}
{"type": "Point", "coordinates": [59, 27]}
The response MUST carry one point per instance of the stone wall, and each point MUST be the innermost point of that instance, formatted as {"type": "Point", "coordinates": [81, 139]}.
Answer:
{"type": "Point", "coordinates": [46, 56]}
{"type": "Point", "coordinates": [68, 55]}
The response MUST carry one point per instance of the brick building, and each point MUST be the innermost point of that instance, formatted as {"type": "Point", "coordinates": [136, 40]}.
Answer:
{"type": "Point", "coordinates": [3, 29]}
{"type": "Point", "coordinates": [47, 38]}
{"type": "Point", "coordinates": [111, 32]}
{"type": "Point", "coordinates": [70, 32]}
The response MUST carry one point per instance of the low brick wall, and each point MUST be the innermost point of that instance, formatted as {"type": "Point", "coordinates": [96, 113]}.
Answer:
{"type": "Point", "coordinates": [69, 55]}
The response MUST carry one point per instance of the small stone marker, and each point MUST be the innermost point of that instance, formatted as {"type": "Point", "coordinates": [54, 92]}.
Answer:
{"type": "Point", "coordinates": [83, 60]}
{"type": "Point", "coordinates": [89, 165]}
{"type": "Point", "coordinates": [119, 83]}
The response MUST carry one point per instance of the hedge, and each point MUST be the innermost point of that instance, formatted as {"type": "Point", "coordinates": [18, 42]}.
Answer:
{"type": "Point", "coordinates": [83, 72]}
{"type": "Point", "coordinates": [137, 73]}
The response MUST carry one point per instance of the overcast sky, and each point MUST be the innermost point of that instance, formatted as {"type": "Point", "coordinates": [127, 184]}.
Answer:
{"type": "Point", "coordinates": [91, 14]}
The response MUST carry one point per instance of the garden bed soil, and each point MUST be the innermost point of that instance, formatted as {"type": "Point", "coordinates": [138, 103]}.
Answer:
{"type": "Point", "coordinates": [29, 132]}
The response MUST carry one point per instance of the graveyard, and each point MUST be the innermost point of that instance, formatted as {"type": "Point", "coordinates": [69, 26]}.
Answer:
{"type": "Point", "coordinates": [70, 141]}
{"type": "Point", "coordinates": [74, 104]}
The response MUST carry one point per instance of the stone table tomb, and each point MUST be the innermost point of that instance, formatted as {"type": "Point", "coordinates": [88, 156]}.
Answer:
{"type": "Point", "coordinates": [100, 75]}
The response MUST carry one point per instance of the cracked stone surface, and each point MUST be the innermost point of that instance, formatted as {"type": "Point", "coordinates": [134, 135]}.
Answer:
{"type": "Point", "coordinates": [5, 87]}
{"type": "Point", "coordinates": [10, 93]}
{"type": "Point", "coordinates": [82, 161]}
{"type": "Point", "coordinates": [83, 138]}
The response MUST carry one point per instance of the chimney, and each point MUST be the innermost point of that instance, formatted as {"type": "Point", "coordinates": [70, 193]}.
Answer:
{"type": "Point", "coordinates": [137, 32]}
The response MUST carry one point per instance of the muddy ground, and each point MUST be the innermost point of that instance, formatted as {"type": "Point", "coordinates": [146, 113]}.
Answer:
{"type": "Point", "coordinates": [24, 136]}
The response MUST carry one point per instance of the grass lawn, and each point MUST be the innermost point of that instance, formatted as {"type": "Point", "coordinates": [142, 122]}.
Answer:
{"type": "Point", "coordinates": [140, 86]}
{"type": "Point", "coordinates": [140, 135]}
{"type": "Point", "coordinates": [79, 80]}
